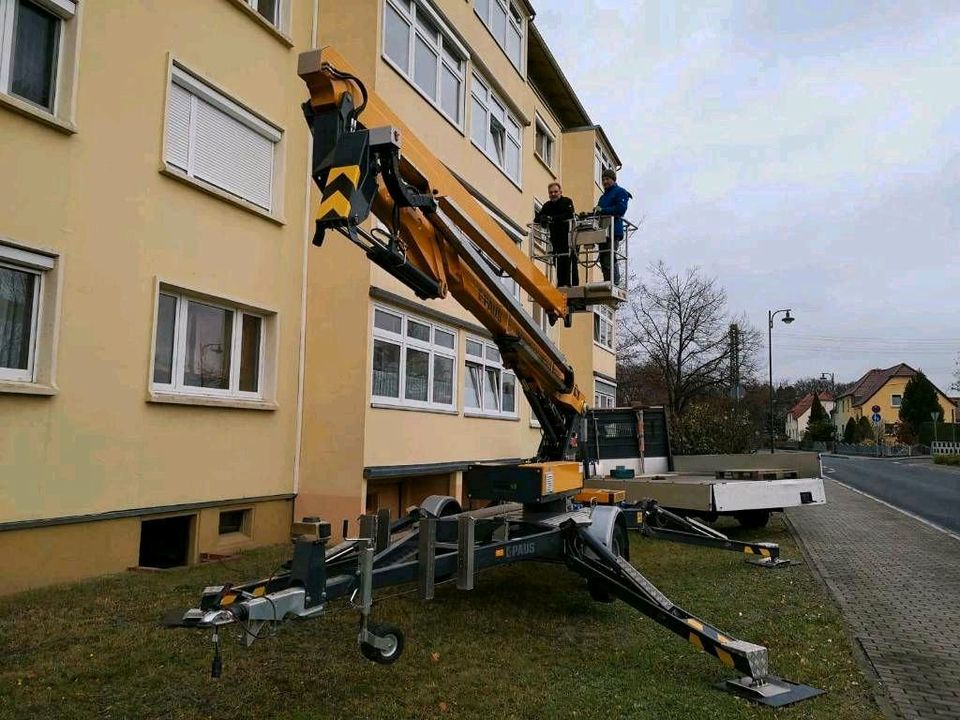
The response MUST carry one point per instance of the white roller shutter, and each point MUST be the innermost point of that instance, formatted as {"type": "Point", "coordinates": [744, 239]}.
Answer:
{"type": "Point", "coordinates": [212, 138]}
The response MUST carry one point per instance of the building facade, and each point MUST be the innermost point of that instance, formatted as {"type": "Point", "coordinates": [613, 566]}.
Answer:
{"type": "Point", "coordinates": [181, 371]}
{"type": "Point", "coordinates": [799, 415]}
{"type": "Point", "coordinates": [882, 387]}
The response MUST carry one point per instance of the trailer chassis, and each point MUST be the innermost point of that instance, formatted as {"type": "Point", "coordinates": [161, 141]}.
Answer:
{"type": "Point", "coordinates": [438, 540]}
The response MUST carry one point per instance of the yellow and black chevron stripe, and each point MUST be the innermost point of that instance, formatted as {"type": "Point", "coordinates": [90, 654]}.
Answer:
{"type": "Point", "coordinates": [341, 184]}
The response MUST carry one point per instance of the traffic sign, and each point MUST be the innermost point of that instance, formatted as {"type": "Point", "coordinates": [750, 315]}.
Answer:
{"type": "Point", "coordinates": [875, 409]}
{"type": "Point", "coordinates": [876, 418]}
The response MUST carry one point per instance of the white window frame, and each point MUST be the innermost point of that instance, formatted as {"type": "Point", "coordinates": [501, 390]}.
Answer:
{"type": "Point", "coordinates": [604, 393]}
{"type": "Point", "coordinates": [898, 398]}
{"type": "Point", "coordinates": [405, 342]}
{"type": "Point", "coordinates": [276, 21]}
{"type": "Point", "coordinates": [514, 20]}
{"type": "Point", "coordinates": [201, 90]}
{"type": "Point", "coordinates": [66, 11]}
{"type": "Point", "coordinates": [486, 362]}
{"type": "Point", "coordinates": [550, 144]}
{"type": "Point", "coordinates": [447, 49]}
{"type": "Point", "coordinates": [601, 161]}
{"type": "Point", "coordinates": [501, 128]}
{"type": "Point", "coordinates": [604, 320]}
{"type": "Point", "coordinates": [176, 386]}
{"type": "Point", "coordinates": [38, 266]}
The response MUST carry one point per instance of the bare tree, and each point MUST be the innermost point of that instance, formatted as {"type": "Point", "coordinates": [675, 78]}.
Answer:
{"type": "Point", "coordinates": [679, 324]}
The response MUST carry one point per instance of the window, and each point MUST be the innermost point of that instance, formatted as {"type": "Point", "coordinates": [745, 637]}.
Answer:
{"type": "Point", "coordinates": [895, 400]}
{"type": "Point", "coordinates": [269, 10]}
{"type": "Point", "coordinates": [604, 394]}
{"type": "Point", "coordinates": [544, 142]}
{"type": "Point", "coordinates": [234, 521]}
{"type": "Point", "coordinates": [414, 43]}
{"type": "Point", "coordinates": [207, 348]}
{"type": "Point", "coordinates": [32, 35]}
{"type": "Point", "coordinates": [22, 290]}
{"type": "Point", "coordinates": [211, 138]}
{"type": "Point", "coordinates": [601, 162]}
{"type": "Point", "coordinates": [488, 388]}
{"type": "Point", "coordinates": [603, 326]}
{"type": "Point", "coordinates": [494, 130]}
{"type": "Point", "coordinates": [505, 22]}
{"type": "Point", "coordinates": [414, 361]}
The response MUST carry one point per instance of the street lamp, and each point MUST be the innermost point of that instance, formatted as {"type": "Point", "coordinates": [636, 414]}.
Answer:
{"type": "Point", "coordinates": [771, 314]}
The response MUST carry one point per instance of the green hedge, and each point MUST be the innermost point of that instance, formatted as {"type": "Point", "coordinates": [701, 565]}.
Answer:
{"type": "Point", "coordinates": [945, 432]}
{"type": "Point", "coordinates": [947, 460]}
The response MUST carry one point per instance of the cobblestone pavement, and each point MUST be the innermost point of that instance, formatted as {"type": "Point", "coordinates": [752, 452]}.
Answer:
{"type": "Point", "coordinates": [898, 584]}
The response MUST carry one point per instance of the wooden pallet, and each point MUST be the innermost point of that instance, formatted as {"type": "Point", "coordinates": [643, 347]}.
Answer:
{"type": "Point", "coordinates": [758, 474]}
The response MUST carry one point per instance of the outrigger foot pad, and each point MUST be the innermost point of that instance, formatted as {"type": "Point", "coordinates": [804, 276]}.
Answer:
{"type": "Point", "coordinates": [773, 691]}
{"type": "Point", "coordinates": [769, 562]}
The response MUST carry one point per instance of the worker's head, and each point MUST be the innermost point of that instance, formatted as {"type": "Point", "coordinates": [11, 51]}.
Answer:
{"type": "Point", "coordinates": [608, 177]}
{"type": "Point", "coordinates": [554, 190]}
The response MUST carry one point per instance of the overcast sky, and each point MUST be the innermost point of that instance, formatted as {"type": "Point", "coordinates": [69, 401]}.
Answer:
{"type": "Point", "coordinates": [805, 152]}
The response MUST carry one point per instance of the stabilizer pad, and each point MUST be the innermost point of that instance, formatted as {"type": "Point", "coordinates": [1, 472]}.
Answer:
{"type": "Point", "coordinates": [775, 692]}
{"type": "Point", "coordinates": [181, 617]}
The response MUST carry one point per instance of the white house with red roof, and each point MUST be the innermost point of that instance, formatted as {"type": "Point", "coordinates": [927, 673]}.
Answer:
{"type": "Point", "coordinates": [799, 414]}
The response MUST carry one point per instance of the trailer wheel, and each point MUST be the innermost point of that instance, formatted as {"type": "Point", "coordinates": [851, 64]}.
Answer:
{"type": "Point", "coordinates": [393, 635]}
{"type": "Point", "coordinates": [618, 544]}
{"type": "Point", "coordinates": [753, 519]}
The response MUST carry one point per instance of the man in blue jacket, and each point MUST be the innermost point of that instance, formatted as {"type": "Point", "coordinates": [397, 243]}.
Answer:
{"type": "Point", "coordinates": [613, 202]}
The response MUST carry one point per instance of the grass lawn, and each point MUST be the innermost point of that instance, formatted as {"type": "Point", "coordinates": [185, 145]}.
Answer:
{"type": "Point", "coordinates": [527, 643]}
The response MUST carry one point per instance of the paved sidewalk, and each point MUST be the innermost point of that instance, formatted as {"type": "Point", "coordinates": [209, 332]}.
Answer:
{"type": "Point", "coordinates": [898, 583]}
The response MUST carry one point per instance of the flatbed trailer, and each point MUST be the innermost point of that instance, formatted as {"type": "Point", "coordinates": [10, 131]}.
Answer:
{"type": "Point", "coordinates": [440, 540]}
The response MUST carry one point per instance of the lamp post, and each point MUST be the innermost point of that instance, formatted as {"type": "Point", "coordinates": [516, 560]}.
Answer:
{"type": "Point", "coordinates": [771, 314]}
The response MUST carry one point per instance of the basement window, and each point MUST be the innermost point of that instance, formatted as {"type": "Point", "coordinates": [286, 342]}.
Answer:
{"type": "Point", "coordinates": [234, 521]}
{"type": "Point", "coordinates": [165, 542]}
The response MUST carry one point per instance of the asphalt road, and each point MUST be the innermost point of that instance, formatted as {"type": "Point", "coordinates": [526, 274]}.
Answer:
{"type": "Point", "coordinates": [918, 486]}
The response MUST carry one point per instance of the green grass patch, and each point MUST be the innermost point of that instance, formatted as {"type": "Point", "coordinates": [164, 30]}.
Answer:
{"type": "Point", "coordinates": [527, 643]}
{"type": "Point", "coordinates": [947, 460]}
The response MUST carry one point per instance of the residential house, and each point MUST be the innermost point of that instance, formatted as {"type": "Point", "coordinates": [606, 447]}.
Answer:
{"type": "Point", "coordinates": [882, 387]}
{"type": "Point", "coordinates": [181, 371]}
{"type": "Point", "coordinates": [799, 415]}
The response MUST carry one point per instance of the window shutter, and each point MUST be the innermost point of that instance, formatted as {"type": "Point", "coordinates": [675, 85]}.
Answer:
{"type": "Point", "coordinates": [178, 126]}
{"type": "Point", "coordinates": [231, 156]}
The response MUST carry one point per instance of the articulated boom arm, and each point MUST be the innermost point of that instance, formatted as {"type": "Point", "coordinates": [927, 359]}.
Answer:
{"type": "Point", "coordinates": [439, 238]}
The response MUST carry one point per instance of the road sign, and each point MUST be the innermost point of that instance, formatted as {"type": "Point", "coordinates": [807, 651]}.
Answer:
{"type": "Point", "coordinates": [876, 418]}
{"type": "Point", "coordinates": [737, 392]}
{"type": "Point", "coordinates": [875, 409]}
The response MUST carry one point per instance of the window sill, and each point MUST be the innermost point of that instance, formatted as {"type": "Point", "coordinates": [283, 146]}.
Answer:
{"type": "Point", "coordinates": [216, 192]}
{"type": "Point", "coordinates": [545, 165]}
{"type": "Point", "coordinates": [206, 401]}
{"type": "Point", "coordinates": [487, 416]}
{"type": "Point", "coordinates": [17, 387]}
{"type": "Point", "coordinates": [263, 22]}
{"type": "Point", "coordinates": [412, 408]}
{"type": "Point", "coordinates": [434, 104]}
{"type": "Point", "coordinates": [233, 539]}
{"type": "Point", "coordinates": [35, 113]}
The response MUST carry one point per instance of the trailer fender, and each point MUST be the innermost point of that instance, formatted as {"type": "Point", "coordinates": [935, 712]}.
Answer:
{"type": "Point", "coordinates": [605, 520]}
{"type": "Point", "coordinates": [441, 505]}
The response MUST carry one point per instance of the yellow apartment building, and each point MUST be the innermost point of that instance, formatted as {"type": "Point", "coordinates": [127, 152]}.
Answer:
{"type": "Point", "coordinates": [181, 371]}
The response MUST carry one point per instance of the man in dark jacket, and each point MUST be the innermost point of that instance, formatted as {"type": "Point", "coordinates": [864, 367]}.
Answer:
{"type": "Point", "coordinates": [556, 215]}
{"type": "Point", "coordinates": [613, 202]}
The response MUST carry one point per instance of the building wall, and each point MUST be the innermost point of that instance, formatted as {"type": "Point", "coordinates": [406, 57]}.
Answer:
{"type": "Point", "coordinates": [98, 441]}
{"type": "Point", "coordinates": [889, 412]}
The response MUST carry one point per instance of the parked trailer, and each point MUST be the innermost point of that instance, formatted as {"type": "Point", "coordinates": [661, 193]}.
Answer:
{"type": "Point", "coordinates": [747, 487]}
{"type": "Point", "coordinates": [438, 539]}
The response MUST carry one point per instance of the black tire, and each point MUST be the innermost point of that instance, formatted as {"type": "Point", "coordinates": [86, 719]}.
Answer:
{"type": "Point", "coordinates": [390, 655]}
{"type": "Point", "coordinates": [619, 546]}
{"type": "Point", "coordinates": [753, 519]}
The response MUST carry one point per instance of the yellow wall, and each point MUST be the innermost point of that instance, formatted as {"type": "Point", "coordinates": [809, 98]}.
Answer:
{"type": "Point", "coordinates": [884, 398]}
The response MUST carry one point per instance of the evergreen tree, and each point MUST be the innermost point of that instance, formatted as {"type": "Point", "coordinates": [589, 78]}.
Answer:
{"type": "Point", "coordinates": [919, 401]}
{"type": "Point", "coordinates": [864, 429]}
{"type": "Point", "coordinates": [817, 413]}
{"type": "Point", "coordinates": [851, 434]}
{"type": "Point", "coordinates": [819, 428]}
